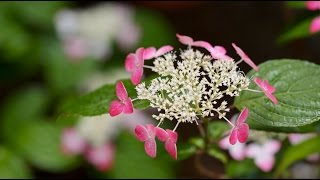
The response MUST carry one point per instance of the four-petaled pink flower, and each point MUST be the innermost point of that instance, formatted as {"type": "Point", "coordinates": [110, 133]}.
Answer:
{"type": "Point", "coordinates": [217, 52]}
{"type": "Point", "coordinates": [101, 157]}
{"type": "Point", "coordinates": [245, 57]}
{"type": "Point", "coordinates": [315, 25]}
{"type": "Point", "coordinates": [313, 5]}
{"type": "Point", "coordinates": [134, 62]}
{"type": "Point", "coordinates": [263, 155]}
{"type": "Point", "coordinates": [123, 104]}
{"type": "Point", "coordinates": [147, 135]}
{"type": "Point", "coordinates": [72, 142]}
{"type": "Point", "coordinates": [170, 138]}
{"type": "Point", "coordinates": [240, 131]}
{"type": "Point", "coordinates": [267, 89]}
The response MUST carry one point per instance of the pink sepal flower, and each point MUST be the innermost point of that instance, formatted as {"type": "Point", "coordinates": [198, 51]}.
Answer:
{"type": "Point", "coordinates": [134, 62]}
{"type": "Point", "coordinates": [123, 104]}
{"type": "Point", "coordinates": [267, 89]}
{"type": "Point", "coordinates": [245, 57]}
{"type": "Point", "coordinates": [240, 131]}
{"type": "Point", "coordinates": [315, 25]}
{"type": "Point", "coordinates": [170, 138]}
{"type": "Point", "coordinates": [313, 5]}
{"type": "Point", "coordinates": [147, 135]}
{"type": "Point", "coordinates": [72, 142]}
{"type": "Point", "coordinates": [101, 157]}
{"type": "Point", "coordinates": [263, 155]}
{"type": "Point", "coordinates": [217, 52]}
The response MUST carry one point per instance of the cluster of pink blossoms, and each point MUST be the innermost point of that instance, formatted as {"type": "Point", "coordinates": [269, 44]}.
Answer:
{"type": "Point", "coordinates": [315, 24]}
{"type": "Point", "coordinates": [182, 94]}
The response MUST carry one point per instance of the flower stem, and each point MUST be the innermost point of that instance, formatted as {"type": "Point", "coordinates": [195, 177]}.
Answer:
{"type": "Point", "coordinates": [252, 90]}
{"type": "Point", "coordinates": [146, 66]}
{"type": "Point", "coordinates": [228, 121]}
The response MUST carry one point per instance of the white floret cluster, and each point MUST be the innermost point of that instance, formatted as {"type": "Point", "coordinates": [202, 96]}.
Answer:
{"type": "Point", "coordinates": [192, 86]}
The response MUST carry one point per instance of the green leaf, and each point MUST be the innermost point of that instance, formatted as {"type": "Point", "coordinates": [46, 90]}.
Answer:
{"type": "Point", "coordinates": [241, 169]}
{"type": "Point", "coordinates": [296, 4]}
{"type": "Point", "coordinates": [216, 130]}
{"type": "Point", "coordinates": [12, 166]}
{"type": "Point", "coordinates": [215, 152]}
{"type": "Point", "coordinates": [23, 107]}
{"type": "Point", "coordinates": [197, 142]}
{"type": "Point", "coordinates": [132, 162]}
{"type": "Point", "coordinates": [297, 86]}
{"type": "Point", "coordinates": [97, 102]}
{"type": "Point", "coordinates": [39, 143]}
{"type": "Point", "coordinates": [296, 31]}
{"type": "Point", "coordinates": [186, 150]}
{"type": "Point", "coordinates": [298, 152]}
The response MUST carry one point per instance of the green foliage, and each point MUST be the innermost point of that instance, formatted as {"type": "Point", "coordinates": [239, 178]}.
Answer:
{"type": "Point", "coordinates": [12, 166]}
{"type": "Point", "coordinates": [186, 150]}
{"type": "Point", "coordinates": [296, 4]}
{"type": "Point", "coordinates": [216, 130]}
{"type": "Point", "coordinates": [242, 169]}
{"type": "Point", "coordinates": [39, 142]}
{"type": "Point", "coordinates": [296, 31]}
{"type": "Point", "coordinates": [297, 86]}
{"type": "Point", "coordinates": [215, 152]}
{"type": "Point", "coordinates": [298, 152]}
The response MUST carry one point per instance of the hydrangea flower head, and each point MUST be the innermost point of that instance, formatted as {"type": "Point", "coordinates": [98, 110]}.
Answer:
{"type": "Point", "coordinates": [191, 85]}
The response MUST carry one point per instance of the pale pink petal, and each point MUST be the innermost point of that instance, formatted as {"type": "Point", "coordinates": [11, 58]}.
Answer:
{"type": "Point", "coordinates": [224, 143]}
{"type": "Point", "coordinates": [272, 98]}
{"type": "Point", "coordinates": [313, 5]}
{"type": "Point", "coordinates": [139, 54]}
{"type": "Point", "coordinates": [128, 106]}
{"type": "Point", "coordinates": [243, 132]}
{"type": "Point", "coordinates": [220, 49]}
{"type": "Point", "coordinates": [298, 138]}
{"type": "Point", "coordinates": [243, 116]}
{"type": "Point", "coordinates": [141, 133]}
{"type": "Point", "coordinates": [116, 107]}
{"type": "Point", "coordinates": [245, 57]}
{"type": "Point", "coordinates": [101, 157]}
{"type": "Point", "coordinates": [233, 136]}
{"type": "Point", "coordinates": [265, 162]}
{"type": "Point", "coordinates": [151, 131]}
{"type": "Point", "coordinates": [149, 53]}
{"type": "Point", "coordinates": [203, 44]}
{"type": "Point", "coordinates": [150, 147]}
{"type": "Point", "coordinates": [136, 76]}
{"type": "Point", "coordinates": [253, 150]}
{"type": "Point", "coordinates": [172, 135]}
{"type": "Point", "coordinates": [161, 134]}
{"type": "Point", "coordinates": [130, 62]}
{"type": "Point", "coordinates": [268, 88]}
{"type": "Point", "coordinates": [272, 146]}
{"type": "Point", "coordinates": [163, 50]}
{"type": "Point", "coordinates": [238, 151]}
{"type": "Point", "coordinates": [72, 142]}
{"type": "Point", "coordinates": [258, 81]}
{"type": "Point", "coordinates": [171, 148]}
{"type": "Point", "coordinates": [185, 39]}
{"type": "Point", "coordinates": [315, 25]}
{"type": "Point", "coordinates": [121, 91]}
